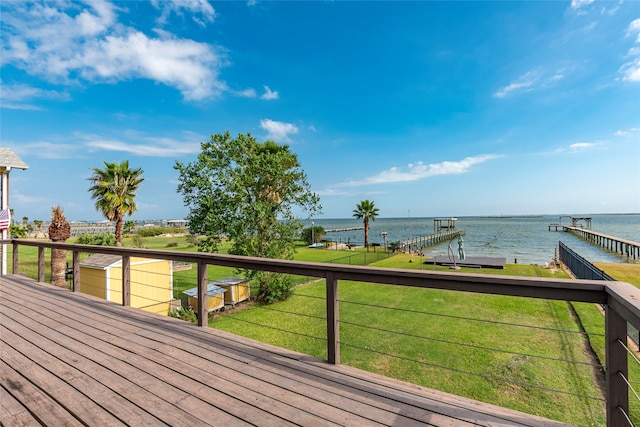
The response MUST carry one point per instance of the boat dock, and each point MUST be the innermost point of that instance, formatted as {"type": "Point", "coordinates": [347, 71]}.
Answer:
{"type": "Point", "coordinates": [575, 222]}
{"type": "Point", "coordinates": [625, 247]}
{"type": "Point", "coordinates": [338, 230]}
{"type": "Point", "coordinates": [429, 240]}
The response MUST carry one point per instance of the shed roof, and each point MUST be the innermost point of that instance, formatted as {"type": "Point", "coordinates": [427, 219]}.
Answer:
{"type": "Point", "coordinates": [9, 159]}
{"type": "Point", "coordinates": [230, 281]}
{"type": "Point", "coordinates": [104, 261]}
{"type": "Point", "coordinates": [100, 261]}
{"type": "Point", "coordinates": [212, 290]}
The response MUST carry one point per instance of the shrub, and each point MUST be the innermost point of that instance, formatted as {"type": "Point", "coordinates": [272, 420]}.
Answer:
{"type": "Point", "coordinates": [172, 244]}
{"type": "Point", "coordinates": [192, 240]}
{"type": "Point", "coordinates": [273, 287]}
{"type": "Point", "coordinates": [17, 231]}
{"type": "Point", "coordinates": [156, 231]}
{"type": "Point", "coordinates": [185, 314]}
{"type": "Point", "coordinates": [137, 241]}
{"type": "Point", "coordinates": [100, 239]}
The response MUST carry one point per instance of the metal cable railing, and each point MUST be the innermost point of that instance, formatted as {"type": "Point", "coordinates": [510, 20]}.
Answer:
{"type": "Point", "coordinates": [455, 344]}
{"type": "Point", "coordinates": [477, 347]}
{"type": "Point", "coordinates": [552, 289]}
{"type": "Point", "coordinates": [495, 322]}
{"type": "Point", "coordinates": [476, 374]}
{"type": "Point", "coordinates": [630, 384]}
{"type": "Point", "coordinates": [583, 269]}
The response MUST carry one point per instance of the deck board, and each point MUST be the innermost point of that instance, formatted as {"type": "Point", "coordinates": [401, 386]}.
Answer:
{"type": "Point", "coordinates": [71, 358]}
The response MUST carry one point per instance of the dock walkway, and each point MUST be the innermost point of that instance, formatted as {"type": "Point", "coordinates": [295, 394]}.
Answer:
{"type": "Point", "coordinates": [418, 243]}
{"type": "Point", "coordinates": [625, 247]}
{"type": "Point", "coordinates": [72, 359]}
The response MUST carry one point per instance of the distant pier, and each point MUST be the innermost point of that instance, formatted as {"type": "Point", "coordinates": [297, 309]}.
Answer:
{"type": "Point", "coordinates": [429, 240]}
{"type": "Point", "coordinates": [581, 226]}
{"type": "Point", "coordinates": [625, 247]}
{"type": "Point", "coordinates": [575, 222]}
{"type": "Point", "coordinates": [338, 230]}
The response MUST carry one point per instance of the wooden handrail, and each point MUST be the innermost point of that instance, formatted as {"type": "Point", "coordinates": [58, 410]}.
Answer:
{"type": "Point", "coordinates": [533, 287]}
{"type": "Point", "coordinates": [622, 300]}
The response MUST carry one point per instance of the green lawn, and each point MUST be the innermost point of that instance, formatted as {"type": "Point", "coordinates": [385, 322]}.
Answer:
{"type": "Point", "coordinates": [629, 273]}
{"type": "Point", "coordinates": [592, 318]}
{"type": "Point", "coordinates": [409, 334]}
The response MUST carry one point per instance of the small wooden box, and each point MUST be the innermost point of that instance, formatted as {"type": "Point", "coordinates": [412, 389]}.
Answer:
{"type": "Point", "coordinates": [236, 289]}
{"type": "Point", "coordinates": [215, 297]}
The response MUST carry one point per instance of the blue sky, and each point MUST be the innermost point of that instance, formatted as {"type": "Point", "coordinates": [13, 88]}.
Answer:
{"type": "Point", "coordinates": [432, 108]}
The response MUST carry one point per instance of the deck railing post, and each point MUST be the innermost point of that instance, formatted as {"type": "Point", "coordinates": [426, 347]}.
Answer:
{"type": "Point", "coordinates": [40, 263]}
{"type": "Point", "coordinates": [126, 280]}
{"type": "Point", "coordinates": [76, 271]}
{"type": "Point", "coordinates": [14, 267]}
{"type": "Point", "coordinates": [617, 368]}
{"type": "Point", "coordinates": [203, 315]}
{"type": "Point", "coordinates": [333, 318]}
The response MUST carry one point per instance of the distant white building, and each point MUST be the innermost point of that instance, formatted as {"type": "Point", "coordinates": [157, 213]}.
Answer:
{"type": "Point", "coordinates": [179, 223]}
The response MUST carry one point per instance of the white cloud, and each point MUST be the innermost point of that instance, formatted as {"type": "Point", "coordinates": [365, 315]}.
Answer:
{"type": "Point", "coordinates": [612, 10]}
{"type": "Point", "coordinates": [278, 131]}
{"type": "Point", "coordinates": [150, 146]}
{"type": "Point", "coordinates": [269, 94]}
{"type": "Point", "coordinates": [71, 44]}
{"type": "Point", "coordinates": [577, 4]}
{"type": "Point", "coordinates": [247, 93]}
{"type": "Point", "coordinates": [536, 79]}
{"type": "Point", "coordinates": [202, 11]}
{"type": "Point", "coordinates": [522, 84]}
{"type": "Point", "coordinates": [333, 192]}
{"type": "Point", "coordinates": [155, 146]}
{"type": "Point", "coordinates": [634, 28]}
{"type": "Point", "coordinates": [48, 150]}
{"type": "Point", "coordinates": [631, 69]}
{"type": "Point", "coordinates": [20, 93]}
{"type": "Point", "coordinates": [419, 170]}
{"type": "Point", "coordinates": [627, 132]}
{"type": "Point", "coordinates": [581, 146]}
{"type": "Point", "coordinates": [24, 107]}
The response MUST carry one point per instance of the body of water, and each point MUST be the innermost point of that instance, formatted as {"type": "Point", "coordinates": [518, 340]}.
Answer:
{"type": "Point", "coordinates": [525, 238]}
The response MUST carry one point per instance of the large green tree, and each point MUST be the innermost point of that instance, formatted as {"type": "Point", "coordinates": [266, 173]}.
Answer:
{"type": "Point", "coordinates": [366, 211]}
{"type": "Point", "coordinates": [247, 190]}
{"type": "Point", "coordinates": [114, 189]}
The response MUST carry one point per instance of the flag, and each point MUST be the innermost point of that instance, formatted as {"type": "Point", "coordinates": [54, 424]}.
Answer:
{"type": "Point", "coordinates": [5, 219]}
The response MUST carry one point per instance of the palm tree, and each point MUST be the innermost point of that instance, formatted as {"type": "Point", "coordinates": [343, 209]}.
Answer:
{"type": "Point", "coordinates": [366, 211]}
{"type": "Point", "coordinates": [59, 231]}
{"type": "Point", "coordinates": [114, 189]}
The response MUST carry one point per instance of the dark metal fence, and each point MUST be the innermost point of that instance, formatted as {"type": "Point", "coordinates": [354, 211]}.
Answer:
{"type": "Point", "coordinates": [583, 269]}
{"type": "Point", "coordinates": [362, 258]}
{"type": "Point", "coordinates": [580, 267]}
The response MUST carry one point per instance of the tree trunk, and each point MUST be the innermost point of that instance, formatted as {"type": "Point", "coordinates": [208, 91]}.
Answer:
{"type": "Point", "coordinates": [119, 224]}
{"type": "Point", "coordinates": [366, 232]}
{"type": "Point", "coordinates": [58, 268]}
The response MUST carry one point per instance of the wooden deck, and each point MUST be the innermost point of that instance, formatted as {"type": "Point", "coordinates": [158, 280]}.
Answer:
{"type": "Point", "coordinates": [71, 359]}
